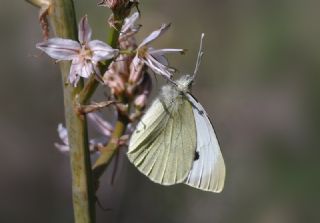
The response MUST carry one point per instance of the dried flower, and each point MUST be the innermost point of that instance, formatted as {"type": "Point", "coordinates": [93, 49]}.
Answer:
{"type": "Point", "coordinates": [103, 127]}
{"type": "Point", "coordinates": [112, 4]}
{"type": "Point", "coordinates": [154, 58]}
{"type": "Point", "coordinates": [84, 55]}
{"type": "Point", "coordinates": [114, 79]}
{"type": "Point", "coordinates": [115, 5]}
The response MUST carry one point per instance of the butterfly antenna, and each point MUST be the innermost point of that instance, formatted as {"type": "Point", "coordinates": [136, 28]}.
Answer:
{"type": "Point", "coordinates": [200, 54]}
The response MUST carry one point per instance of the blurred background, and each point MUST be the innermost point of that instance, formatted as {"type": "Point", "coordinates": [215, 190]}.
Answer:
{"type": "Point", "coordinates": [259, 81]}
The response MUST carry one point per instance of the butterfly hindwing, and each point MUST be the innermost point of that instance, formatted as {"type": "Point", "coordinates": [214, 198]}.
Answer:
{"type": "Point", "coordinates": [208, 171]}
{"type": "Point", "coordinates": [163, 144]}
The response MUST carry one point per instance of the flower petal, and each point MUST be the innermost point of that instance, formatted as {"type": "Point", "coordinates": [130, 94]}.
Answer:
{"type": "Point", "coordinates": [62, 148]}
{"type": "Point", "coordinates": [155, 34]}
{"type": "Point", "coordinates": [86, 69]}
{"type": "Point", "coordinates": [101, 51]}
{"type": "Point", "coordinates": [129, 23]}
{"type": "Point", "coordinates": [75, 70]}
{"type": "Point", "coordinates": [158, 67]}
{"type": "Point", "coordinates": [166, 50]}
{"type": "Point", "coordinates": [161, 59]}
{"type": "Point", "coordinates": [95, 143]}
{"type": "Point", "coordinates": [85, 31]}
{"type": "Point", "coordinates": [63, 134]}
{"type": "Point", "coordinates": [102, 126]}
{"type": "Point", "coordinates": [136, 70]}
{"type": "Point", "coordinates": [60, 49]}
{"type": "Point", "coordinates": [158, 55]}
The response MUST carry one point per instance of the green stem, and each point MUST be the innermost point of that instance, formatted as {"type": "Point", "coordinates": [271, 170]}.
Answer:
{"type": "Point", "coordinates": [63, 20]}
{"type": "Point", "coordinates": [108, 151]}
{"type": "Point", "coordinates": [120, 127]}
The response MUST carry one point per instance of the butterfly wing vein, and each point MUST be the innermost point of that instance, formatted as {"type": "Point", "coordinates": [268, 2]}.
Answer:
{"type": "Point", "coordinates": [163, 144]}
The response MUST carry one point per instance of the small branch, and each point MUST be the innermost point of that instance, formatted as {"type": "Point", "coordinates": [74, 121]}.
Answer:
{"type": "Point", "coordinates": [85, 109]}
{"type": "Point", "coordinates": [110, 149]}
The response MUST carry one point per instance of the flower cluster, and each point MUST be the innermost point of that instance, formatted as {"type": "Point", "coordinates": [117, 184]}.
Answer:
{"type": "Point", "coordinates": [103, 128]}
{"type": "Point", "coordinates": [86, 54]}
{"type": "Point", "coordinates": [128, 74]}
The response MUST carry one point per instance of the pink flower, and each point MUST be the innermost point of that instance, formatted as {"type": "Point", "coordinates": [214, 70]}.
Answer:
{"type": "Point", "coordinates": [84, 54]}
{"type": "Point", "coordinates": [154, 58]}
{"type": "Point", "coordinates": [102, 127]}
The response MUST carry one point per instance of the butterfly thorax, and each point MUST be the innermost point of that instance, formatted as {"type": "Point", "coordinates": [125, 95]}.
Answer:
{"type": "Point", "coordinates": [173, 95]}
{"type": "Point", "coordinates": [170, 95]}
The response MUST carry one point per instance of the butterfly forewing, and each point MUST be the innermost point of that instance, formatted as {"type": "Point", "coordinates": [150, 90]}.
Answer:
{"type": "Point", "coordinates": [208, 171]}
{"type": "Point", "coordinates": [163, 144]}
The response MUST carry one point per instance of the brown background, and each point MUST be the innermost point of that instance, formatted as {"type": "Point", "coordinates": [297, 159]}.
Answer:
{"type": "Point", "coordinates": [259, 81]}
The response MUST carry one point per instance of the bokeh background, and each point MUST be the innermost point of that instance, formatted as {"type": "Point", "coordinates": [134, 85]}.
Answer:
{"type": "Point", "coordinates": [259, 82]}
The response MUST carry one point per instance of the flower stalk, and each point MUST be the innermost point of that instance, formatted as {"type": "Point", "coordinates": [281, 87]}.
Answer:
{"type": "Point", "coordinates": [62, 16]}
{"type": "Point", "coordinates": [120, 127]}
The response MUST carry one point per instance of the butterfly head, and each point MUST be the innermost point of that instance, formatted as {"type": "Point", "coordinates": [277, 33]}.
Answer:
{"type": "Point", "coordinates": [184, 83]}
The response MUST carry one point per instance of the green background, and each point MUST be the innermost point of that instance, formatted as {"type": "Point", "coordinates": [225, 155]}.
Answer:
{"type": "Point", "coordinates": [259, 82]}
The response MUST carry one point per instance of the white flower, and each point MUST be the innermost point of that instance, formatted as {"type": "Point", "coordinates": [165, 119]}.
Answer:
{"type": "Point", "coordinates": [84, 54]}
{"type": "Point", "coordinates": [103, 127]}
{"type": "Point", "coordinates": [154, 58]}
{"type": "Point", "coordinates": [129, 25]}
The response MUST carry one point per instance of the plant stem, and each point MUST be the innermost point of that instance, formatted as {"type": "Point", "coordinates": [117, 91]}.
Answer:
{"type": "Point", "coordinates": [63, 20]}
{"type": "Point", "coordinates": [120, 127]}
{"type": "Point", "coordinates": [109, 150]}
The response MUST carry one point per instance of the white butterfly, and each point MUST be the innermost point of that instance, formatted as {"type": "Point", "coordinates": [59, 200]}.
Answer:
{"type": "Point", "coordinates": [175, 142]}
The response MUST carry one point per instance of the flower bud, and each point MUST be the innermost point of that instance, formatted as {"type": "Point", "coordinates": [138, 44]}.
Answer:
{"type": "Point", "coordinates": [112, 4]}
{"type": "Point", "coordinates": [143, 91]}
{"type": "Point", "coordinates": [119, 5]}
{"type": "Point", "coordinates": [114, 81]}
{"type": "Point", "coordinates": [140, 101]}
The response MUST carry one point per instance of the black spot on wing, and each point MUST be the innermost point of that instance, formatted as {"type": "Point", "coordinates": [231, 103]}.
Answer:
{"type": "Point", "coordinates": [196, 155]}
{"type": "Point", "coordinates": [201, 112]}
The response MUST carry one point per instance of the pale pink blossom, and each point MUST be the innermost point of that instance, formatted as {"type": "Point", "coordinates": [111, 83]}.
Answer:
{"type": "Point", "coordinates": [84, 54]}
{"type": "Point", "coordinates": [154, 58]}
{"type": "Point", "coordinates": [102, 127]}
